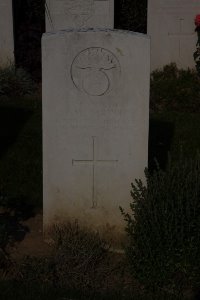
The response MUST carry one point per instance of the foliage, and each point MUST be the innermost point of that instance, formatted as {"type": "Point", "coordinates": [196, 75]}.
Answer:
{"type": "Point", "coordinates": [36, 269]}
{"type": "Point", "coordinates": [174, 89]}
{"type": "Point", "coordinates": [164, 227]}
{"type": "Point", "coordinates": [197, 52]}
{"type": "Point", "coordinates": [80, 257]}
{"type": "Point", "coordinates": [131, 15]}
{"type": "Point", "coordinates": [15, 81]}
{"type": "Point", "coordinates": [78, 261]}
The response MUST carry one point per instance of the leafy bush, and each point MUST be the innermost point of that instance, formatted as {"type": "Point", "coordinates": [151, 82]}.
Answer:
{"type": "Point", "coordinates": [175, 90]}
{"type": "Point", "coordinates": [15, 82]}
{"type": "Point", "coordinates": [164, 227]}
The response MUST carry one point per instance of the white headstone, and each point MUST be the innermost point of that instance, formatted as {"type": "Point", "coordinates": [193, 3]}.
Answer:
{"type": "Point", "coordinates": [63, 14]}
{"type": "Point", "coordinates": [172, 31]}
{"type": "Point", "coordinates": [95, 124]}
{"type": "Point", "coordinates": [6, 32]}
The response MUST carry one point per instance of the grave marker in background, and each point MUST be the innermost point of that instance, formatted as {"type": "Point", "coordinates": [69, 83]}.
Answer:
{"type": "Point", "coordinates": [6, 32]}
{"type": "Point", "coordinates": [63, 14]}
{"type": "Point", "coordinates": [95, 124]}
{"type": "Point", "coordinates": [172, 31]}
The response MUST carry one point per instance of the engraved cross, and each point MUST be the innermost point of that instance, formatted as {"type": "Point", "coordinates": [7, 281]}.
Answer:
{"type": "Point", "coordinates": [180, 35]}
{"type": "Point", "coordinates": [94, 163]}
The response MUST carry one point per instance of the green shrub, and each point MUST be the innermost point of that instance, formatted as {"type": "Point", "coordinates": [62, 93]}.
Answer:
{"type": "Point", "coordinates": [15, 82]}
{"type": "Point", "coordinates": [164, 227]}
{"type": "Point", "coordinates": [174, 89]}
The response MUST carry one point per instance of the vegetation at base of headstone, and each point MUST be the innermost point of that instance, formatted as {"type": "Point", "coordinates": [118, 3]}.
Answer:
{"type": "Point", "coordinates": [197, 52]}
{"type": "Point", "coordinates": [15, 81]}
{"type": "Point", "coordinates": [131, 15]}
{"type": "Point", "coordinates": [163, 227]}
{"type": "Point", "coordinates": [79, 260]}
{"type": "Point", "coordinates": [81, 257]}
{"type": "Point", "coordinates": [174, 89]}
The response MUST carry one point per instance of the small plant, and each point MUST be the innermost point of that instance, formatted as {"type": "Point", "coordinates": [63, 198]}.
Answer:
{"type": "Point", "coordinates": [164, 227]}
{"type": "Point", "coordinates": [197, 52]}
{"type": "Point", "coordinates": [80, 257]}
{"type": "Point", "coordinates": [174, 89]}
{"type": "Point", "coordinates": [15, 81]}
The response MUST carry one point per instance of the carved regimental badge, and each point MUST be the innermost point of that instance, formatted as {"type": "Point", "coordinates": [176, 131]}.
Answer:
{"type": "Point", "coordinates": [79, 11]}
{"type": "Point", "coordinates": [95, 71]}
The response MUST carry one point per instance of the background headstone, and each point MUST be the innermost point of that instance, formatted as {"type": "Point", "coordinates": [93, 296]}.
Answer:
{"type": "Point", "coordinates": [172, 31]}
{"type": "Point", "coordinates": [95, 124]}
{"type": "Point", "coordinates": [63, 14]}
{"type": "Point", "coordinates": [6, 32]}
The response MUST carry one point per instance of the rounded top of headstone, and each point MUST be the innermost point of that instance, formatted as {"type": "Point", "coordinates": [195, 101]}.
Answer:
{"type": "Point", "coordinates": [96, 30]}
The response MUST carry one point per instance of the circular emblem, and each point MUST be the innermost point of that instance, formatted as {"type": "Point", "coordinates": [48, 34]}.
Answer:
{"type": "Point", "coordinates": [95, 71]}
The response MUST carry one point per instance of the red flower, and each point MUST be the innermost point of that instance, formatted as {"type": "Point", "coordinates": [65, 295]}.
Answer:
{"type": "Point", "coordinates": [197, 20]}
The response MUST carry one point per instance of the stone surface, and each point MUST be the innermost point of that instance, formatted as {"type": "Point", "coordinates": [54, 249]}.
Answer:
{"type": "Point", "coordinates": [95, 124]}
{"type": "Point", "coordinates": [63, 14]}
{"type": "Point", "coordinates": [172, 31]}
{"type": "Point", "coordinates": [6, 32]}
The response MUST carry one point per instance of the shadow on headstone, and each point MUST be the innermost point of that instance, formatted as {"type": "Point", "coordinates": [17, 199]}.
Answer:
{"type": "Point", "coordinates": [160, 139]}
{"type": "Point", "coordinates": [12, 121]}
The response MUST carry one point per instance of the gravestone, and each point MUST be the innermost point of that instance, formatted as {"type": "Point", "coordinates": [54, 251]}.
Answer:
{"type": "Point", "coordinates": [63, 14]}
{"type": "Point", "coordinates": [172, 31]}
{"type": "Point", "coordinates": [6, 32]}
{"type": "Point", "coordinates": [95, 124]}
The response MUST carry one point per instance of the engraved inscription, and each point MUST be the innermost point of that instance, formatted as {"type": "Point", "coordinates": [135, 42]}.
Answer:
{"type": "Point", "coordinates": [80, 11]}
{"type": "Point", "coordinates": [93, 163]}
{"type": "Point", "coordinates": [95, 71]}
